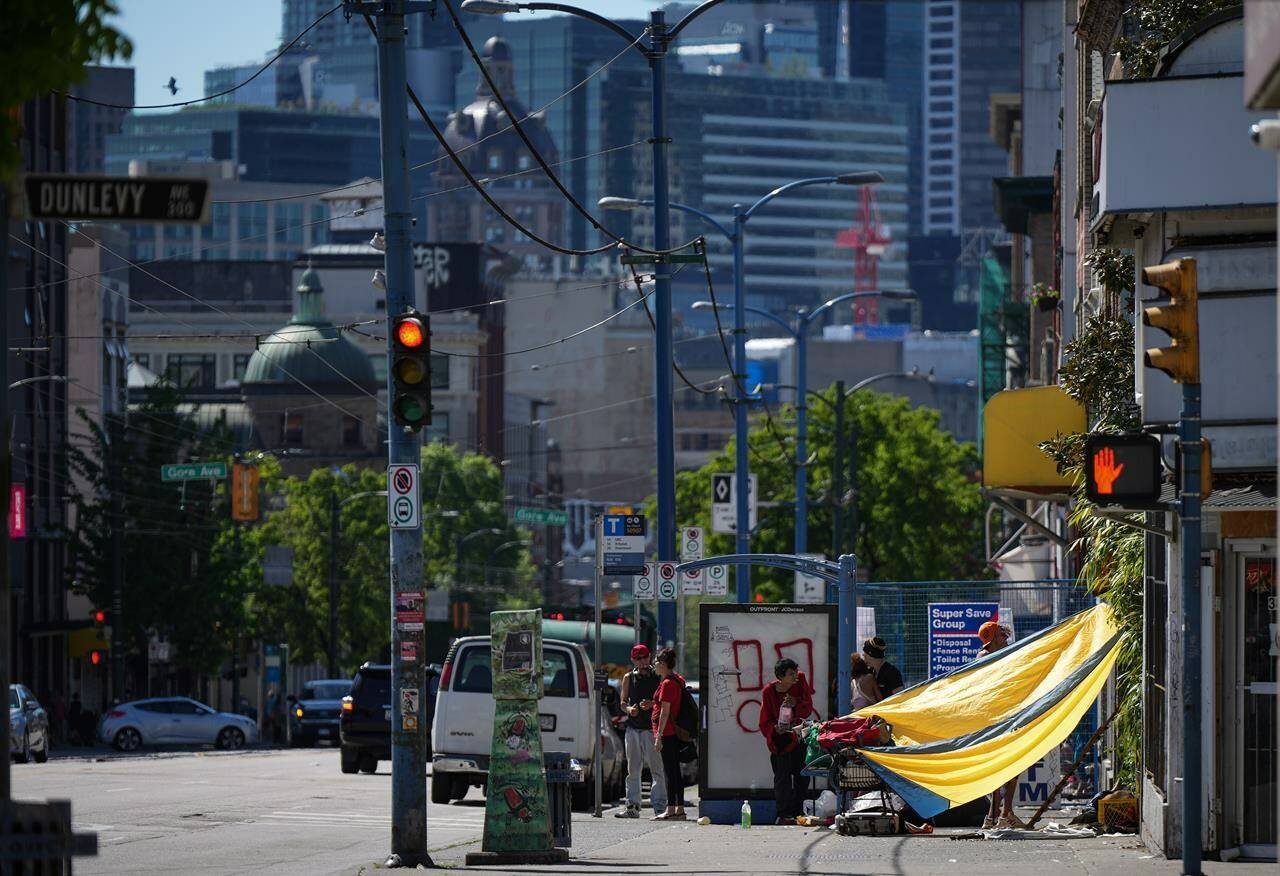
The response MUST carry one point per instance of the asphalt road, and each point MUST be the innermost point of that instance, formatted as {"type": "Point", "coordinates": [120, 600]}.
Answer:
{"type": "Point", "coordinates": [288, 811]}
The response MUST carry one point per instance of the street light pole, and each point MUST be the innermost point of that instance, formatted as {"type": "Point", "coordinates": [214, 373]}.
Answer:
{"type": "Point", "coordinates": [742, 477]}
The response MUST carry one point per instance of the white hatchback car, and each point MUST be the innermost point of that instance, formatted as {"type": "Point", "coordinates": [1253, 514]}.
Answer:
{"type": "Point", "coordinates": [174, 721]}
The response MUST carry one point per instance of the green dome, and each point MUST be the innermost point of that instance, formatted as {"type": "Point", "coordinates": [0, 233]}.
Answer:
{"type": "Point", "coordinates": [310, 350]}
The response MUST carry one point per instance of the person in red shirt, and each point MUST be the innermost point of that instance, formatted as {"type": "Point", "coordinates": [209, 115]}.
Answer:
{"type": "Point", "coordinates": [785, 703]}
{"type": "Point", "coordinates": [666, 706]}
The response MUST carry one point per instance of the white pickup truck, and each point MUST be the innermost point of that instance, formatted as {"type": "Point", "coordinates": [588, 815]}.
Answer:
{"type": "Point", "coordinates": [463, 728]}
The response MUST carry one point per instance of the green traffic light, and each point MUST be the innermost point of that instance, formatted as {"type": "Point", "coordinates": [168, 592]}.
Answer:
{"type": "Point", "coordinates": [411, 410]}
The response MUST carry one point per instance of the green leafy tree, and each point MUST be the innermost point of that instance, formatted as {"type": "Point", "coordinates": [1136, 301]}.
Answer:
{"type": "Point", "coordinates": [1155, 24]}
{"type": "Point", "coordinates": [44, 47]}
{"type": "Point", "coordinates": [462, 494]}
{"type": "Point", "coordinates": [919, 509]}
{"type": "Point", "coordinates": [172, 585]}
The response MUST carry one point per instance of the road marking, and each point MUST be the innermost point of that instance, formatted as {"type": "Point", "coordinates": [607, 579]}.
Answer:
{"type": "Point", "coordinates": [202, 782]}
{"type": "Point", "coordinates": [114, 790]}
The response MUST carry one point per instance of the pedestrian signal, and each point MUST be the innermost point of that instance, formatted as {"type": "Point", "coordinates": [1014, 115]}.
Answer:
{"type": "Point", "coordinates": [1123, 470]}
{"type": "Point", "coordinates": [411, 370]}
{"type": "Point", "coordinates": [97, 658]}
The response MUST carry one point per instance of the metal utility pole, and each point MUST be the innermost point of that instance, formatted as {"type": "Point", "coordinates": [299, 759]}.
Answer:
{"type": "Point", "coordinates": [6, 462]}
{"type": "Point", "coordinates": [837, 476]}
{"type": "Point", "coordinates": [333, 583]}
{"type": "Point", "coordinates": [115, 431]}
{"type": "Point", "coordinates": [663, 353]}
{"type": "Point", "coordinates": [742, 467]}
{"type": "Point", "coordinates": [1189, 515]}
{"type": "Point", "coordinates": [408, 736]}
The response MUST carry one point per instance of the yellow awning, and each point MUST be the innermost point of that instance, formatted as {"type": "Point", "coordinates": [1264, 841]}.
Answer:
{"type": "Point", "coordinates": [1014, 422]}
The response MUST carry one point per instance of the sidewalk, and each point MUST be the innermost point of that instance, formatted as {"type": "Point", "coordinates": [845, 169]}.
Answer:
{"type": "Point", "coordinates": [613, 847]}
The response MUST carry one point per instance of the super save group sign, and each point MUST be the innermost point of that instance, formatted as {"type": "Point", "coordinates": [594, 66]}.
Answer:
{"type": "Point", "coordinates": [953, 633]}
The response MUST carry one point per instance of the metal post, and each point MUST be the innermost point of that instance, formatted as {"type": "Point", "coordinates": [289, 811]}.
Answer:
{"type": "Point", "coordinates": [1189, 512]}
{"type": "Point", "coordinates": [597, 773]}
{"type": "Point", "coordinates": [6, 619]}
{"type": "Point", "coordinates": [408, 745]}
{"type": "Point", "coordinates": [802, 434]}
{"type": "Point", "coordinates": [853, 481]}
{"type": "Point", "coordinates": [837, 477]}
{"type": "Point", "coordinates": [235, 645]}
{"type": "Point", "coordinates": [115, 431]}
{"type": "Point", "coordinates": [665, 416]}
{"type": "Point", "coordinates": [742, 476]}
{"type": "Point", "coordinates": [847, 631]}
{"type": "Point", "coordinates": [333, 583]}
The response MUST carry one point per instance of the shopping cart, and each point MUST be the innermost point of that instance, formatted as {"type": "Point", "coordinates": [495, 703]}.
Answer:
{"type": "Point", "coordinates": [853, 780]}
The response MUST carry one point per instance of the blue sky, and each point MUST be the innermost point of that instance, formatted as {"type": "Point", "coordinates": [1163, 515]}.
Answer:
{"type": "Point", "coordinates": [186, 38]}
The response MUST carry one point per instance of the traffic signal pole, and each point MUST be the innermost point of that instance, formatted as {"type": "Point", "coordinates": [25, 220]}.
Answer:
{"type": "Point", "coordinates": [663, 361]}
{"type": "Point", "coordinates": [1189, 513]}
{"type": "Point", "coordinates": [408, 743]}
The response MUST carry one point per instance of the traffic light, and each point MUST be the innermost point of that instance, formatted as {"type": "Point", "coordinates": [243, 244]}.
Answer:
{"type": "Point", "coordinates": [1179, 319]}
{"type": "Point", "coordinates": [1123, 470]}
{"type": "Point", "coordinates": [411, 370]}
{"type": "Point", "coordinates": [99, 618]}
{"type": "Point", "coordinates": [97, 657]}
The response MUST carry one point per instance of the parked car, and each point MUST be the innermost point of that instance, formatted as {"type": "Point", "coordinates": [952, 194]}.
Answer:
{"type": "Point", "coordinates": [174, 721]}
{"type": "Point", "coordinates": [365, 726]}
{"type": "Point", "coordinates": [314, 715]}
{"type": "Point", "coordinates": [28, 726]}
{"type": "Point", "coordinates": [566, 715]}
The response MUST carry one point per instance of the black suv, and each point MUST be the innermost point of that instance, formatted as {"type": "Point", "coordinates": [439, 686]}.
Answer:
{"type": "Point", "coordinates": [365, 727]}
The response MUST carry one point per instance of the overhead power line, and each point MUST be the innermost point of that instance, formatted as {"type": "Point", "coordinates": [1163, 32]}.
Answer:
{"type": "Point", "coordinates": [278, 55]}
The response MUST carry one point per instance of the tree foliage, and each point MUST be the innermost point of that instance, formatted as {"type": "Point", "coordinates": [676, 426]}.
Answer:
{"type": "Point", "coordinates": [173, 583]}
{"type": "Point", "coordinates": [1155, 24]}
{"type": "Point", "coordinates": [469, 484]}
{"type": "Point", "coordinates": [44, 47]}
{"type": "Point", "coordinates": [919, 509]}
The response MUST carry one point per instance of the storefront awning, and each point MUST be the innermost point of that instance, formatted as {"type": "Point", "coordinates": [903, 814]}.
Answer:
{"type": "Point", "coordinates": [1014, 423]}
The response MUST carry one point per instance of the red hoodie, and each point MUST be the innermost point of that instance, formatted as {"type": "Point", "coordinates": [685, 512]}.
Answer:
{"type": "Point", "coordinates": [771, 701]}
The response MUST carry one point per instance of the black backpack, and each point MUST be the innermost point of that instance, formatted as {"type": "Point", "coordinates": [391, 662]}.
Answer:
{"type": "Point", "coordinates": [687, 717]}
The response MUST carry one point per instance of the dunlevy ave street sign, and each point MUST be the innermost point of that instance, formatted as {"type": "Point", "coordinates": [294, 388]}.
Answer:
{"type": "Point", "coordinates": [117, 198]}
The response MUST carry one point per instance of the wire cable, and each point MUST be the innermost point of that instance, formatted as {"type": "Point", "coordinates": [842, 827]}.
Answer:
{"type": "Point", "coordinates": [278, 55]}
{"type": "Point", "coordinates": [533, 150]}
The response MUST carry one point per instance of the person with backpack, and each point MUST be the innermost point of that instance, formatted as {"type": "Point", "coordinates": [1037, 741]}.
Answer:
{"type": "Point", "coordinates": [784, 704]}
{"type": "Point", "coordinates": [668, 704]}
{"type": "Point", "coordinates": [639, 686]}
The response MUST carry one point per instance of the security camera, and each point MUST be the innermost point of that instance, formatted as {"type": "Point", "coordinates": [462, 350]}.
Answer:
{"type": "Point", "coordinates": [1266, 133]}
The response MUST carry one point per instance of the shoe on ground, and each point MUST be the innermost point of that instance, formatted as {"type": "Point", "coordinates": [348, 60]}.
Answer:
{"type": "Point", "coordinates": [1015, 821]}
{"type": "Point", "coordinates": [628, 812]}
{"type": "Point", "coordinates": [1003, 823]}
{"type": "Point", "coordinates": [988, 823]}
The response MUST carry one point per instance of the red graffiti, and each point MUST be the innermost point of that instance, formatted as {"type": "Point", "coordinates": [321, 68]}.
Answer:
{"type": "Point", "coordinates": [750, 670]}
{"type": "Point", "coordinates": [753, 726]}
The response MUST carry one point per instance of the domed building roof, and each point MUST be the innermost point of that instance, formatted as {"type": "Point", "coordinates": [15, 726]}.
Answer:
{"type": "Point", "coordinates": [310, 350]}
{"type": "Point", "coordinates": [484, 117]}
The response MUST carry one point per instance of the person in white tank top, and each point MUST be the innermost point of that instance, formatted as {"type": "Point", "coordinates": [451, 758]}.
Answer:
{"type": "Point", "coordinates": [866, 691]}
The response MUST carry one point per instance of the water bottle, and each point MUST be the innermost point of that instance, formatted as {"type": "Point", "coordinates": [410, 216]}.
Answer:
{"type": "Point", "coordinates": [746, 814]}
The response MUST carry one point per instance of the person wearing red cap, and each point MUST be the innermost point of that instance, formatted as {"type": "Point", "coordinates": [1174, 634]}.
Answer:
{"type": "Point", "coordinates": [995, 636]}
{"type": "Point", "coordinates": [638, 689]}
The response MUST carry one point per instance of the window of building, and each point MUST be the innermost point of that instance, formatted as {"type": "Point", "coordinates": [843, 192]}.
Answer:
{"type": "Point", "coordinates": [288, 223]}
{"type": "Point", "coordinates": [524, 163]}
{"type": "Point", "coordinates": [941, 91]}
{"type": "Point", "coordinates": [940, 185]}
{"type": "Point", "coordinates": [939, 75]}
{"type": "Point", "coordinates": [941, 106]}
{"type": "Point", "coordinates": [941, 154]}
{"type": "Point", "coordinates": [253, 221]}
{"type": "Point", "coordinates": [941, 58]}
{"type": "Point", "coordinates": [940, 202]}
{"type": "Point", "coordinates": [940, 218]}
{"type": "Point", "coordinates": [352, 434]}
{"type": "Point", "coordinates": [291, 429]}
{"type": "Point", "coordinates": [439, 371]}
{"type": "Point", "coordinates": [239, 362]}
{"type": "Point", "coordinates": [439, 428]}
{"type": "Point", "coordinates": [319, 227]}
{"type": "Point", "coordinates": [495, 160]}
{"type": "Point", "coordinates": [941, 11]}
{"type": "Point", "coordinates": [940, 26]}
{"type": "Point", "coordinates": [494, 234]}
{"type": "Point", "coordinates": [143, 359]}
{"type": "Point", "coordinates": [942, 43]}
{"type": "Point", "coordinates": [192, 370]}
{"type": "Point", "coordinates": [220, 228]}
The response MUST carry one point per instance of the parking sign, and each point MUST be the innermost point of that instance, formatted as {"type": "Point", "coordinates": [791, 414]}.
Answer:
{"type": "Point", "coordinates": [717, 581]}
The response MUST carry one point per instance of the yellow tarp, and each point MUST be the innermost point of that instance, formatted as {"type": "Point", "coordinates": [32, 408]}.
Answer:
{"type": "Point", "coordinates": [964, 734]}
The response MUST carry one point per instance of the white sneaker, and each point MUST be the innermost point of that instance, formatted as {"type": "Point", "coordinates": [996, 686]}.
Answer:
{"type": "Point", "coordinates": [628, 812]}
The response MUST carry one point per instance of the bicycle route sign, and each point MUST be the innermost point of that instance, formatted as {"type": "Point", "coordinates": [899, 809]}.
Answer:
{"type": "Point", "coordinates": [404, 500]}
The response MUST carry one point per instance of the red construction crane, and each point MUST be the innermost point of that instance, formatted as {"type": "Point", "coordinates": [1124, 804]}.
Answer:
{"type": "Point", "coordinates": [869, 240]}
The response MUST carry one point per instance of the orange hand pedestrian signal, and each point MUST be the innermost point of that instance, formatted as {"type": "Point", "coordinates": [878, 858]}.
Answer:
{"type": "Point", "coordinates": [1105, 470]}
{"type": "Point", "coordinates": [1123, 470]}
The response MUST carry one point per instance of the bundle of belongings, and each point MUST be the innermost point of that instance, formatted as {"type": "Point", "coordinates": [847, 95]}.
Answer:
{"type": "Point", "coordinates": [962, 735]}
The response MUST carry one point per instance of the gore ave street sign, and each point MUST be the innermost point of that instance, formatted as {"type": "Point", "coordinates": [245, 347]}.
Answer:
{"type": "Point", "coordinates": [404, 500]}
{"type": "Point", "coordinates": [117, 198]}
{"type": "Point", "coordinates": [193, 471]}
{"type": "Point", "coordinates": [542, 516]}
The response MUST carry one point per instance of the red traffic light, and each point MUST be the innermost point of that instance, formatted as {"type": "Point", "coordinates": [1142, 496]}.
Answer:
{"type": "Point", "coordinates": [96, 658]}
{"type": "Point", "coordinates": [99, 617]}
{"type": "Point", "coordinates": [410, 333]}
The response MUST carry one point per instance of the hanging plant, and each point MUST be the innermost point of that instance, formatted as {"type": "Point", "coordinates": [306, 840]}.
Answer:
{"type": "Point", "coordinates": [1045, 297]}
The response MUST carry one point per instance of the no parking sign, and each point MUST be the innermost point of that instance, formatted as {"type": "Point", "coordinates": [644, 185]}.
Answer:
{"type": "Point", "coordinates": [404, 504]}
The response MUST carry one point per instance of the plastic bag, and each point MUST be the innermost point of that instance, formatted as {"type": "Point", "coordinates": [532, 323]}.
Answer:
{"type": "Point", "coordinates": [826, 805]}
